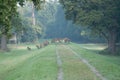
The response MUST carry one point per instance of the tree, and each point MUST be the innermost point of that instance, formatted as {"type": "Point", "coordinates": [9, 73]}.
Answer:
{"type": "Point", "coordinates": [8, 8]}
{"type": "Point", "coordinates": [33, 27]}
{"type": "Point", "coordinates": [61, 28]}
{"type": "Point", "coordinates": [47, 16]}
{"type": "Point", "coordinates": [101, 16]}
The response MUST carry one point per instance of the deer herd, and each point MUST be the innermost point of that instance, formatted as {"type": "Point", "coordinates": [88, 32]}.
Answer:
{"type": "Point", "coordinates": [53, 41]}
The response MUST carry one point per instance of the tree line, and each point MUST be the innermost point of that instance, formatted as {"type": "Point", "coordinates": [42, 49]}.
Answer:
{"type": "Point", "coordinates": [101, 16]}
{"type": "Point", "coordinates": [8, 10]}
{"type": "Point", "coordinates": [98, 18]}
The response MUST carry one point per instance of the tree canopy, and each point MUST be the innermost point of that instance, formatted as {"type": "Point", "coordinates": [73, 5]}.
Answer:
{"type": "Point", "coordinates": [101, 16]}
{"type": "Point", "coordinates": [8, 9]}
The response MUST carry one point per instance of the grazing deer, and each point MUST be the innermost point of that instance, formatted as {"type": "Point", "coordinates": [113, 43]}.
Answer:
{"type": "Point", "coordinates": [45, 44]}
{"type": "Point", "coordinates": [28, 48]}
{"type": "Point", "coordinates": [66, 40]}
{"type": "Point", "coordinates": [38, 47]}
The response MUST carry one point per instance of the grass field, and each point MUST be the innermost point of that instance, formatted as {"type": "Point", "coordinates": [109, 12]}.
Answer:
{"type": "Point", "coordinates": [73, 68]}
{"type": "Point", "coordinates": [21, 64]}
{"type": "Point", "coordinates": [107, 65]}
{"type": "Point", "coordinates": [29, 65]}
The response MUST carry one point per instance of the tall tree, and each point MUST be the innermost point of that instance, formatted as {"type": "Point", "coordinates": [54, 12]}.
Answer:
{"type": "Point", "coordinates": [101, 16]}
{"type": "Point", "coordinates": [8, 8]}
{"type": "Point", "coordinates": [61, 28]}
{"type": "Point", "coordinates": [32, 27]}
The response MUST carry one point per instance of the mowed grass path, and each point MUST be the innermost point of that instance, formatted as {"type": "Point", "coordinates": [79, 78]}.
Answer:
{"type": "Point", "coordinates": [21, 64]}
{"type": "Point", "coordinates": [108, 66]}
{"type": "Point", "coordinates": [73, 67]}
{"type": "Point", "coordinates": [29, 65]}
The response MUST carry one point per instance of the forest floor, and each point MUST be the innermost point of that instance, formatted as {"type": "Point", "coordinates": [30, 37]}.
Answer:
{"type": "Point", "coordinates": [59, 62]}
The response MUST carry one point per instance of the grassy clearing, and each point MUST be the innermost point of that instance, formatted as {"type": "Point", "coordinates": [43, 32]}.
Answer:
{"type": "Point", "coordinates": [21, 64]}
{"type": "Point", "coordinates": [97, 47]}
{"type": "Point", "coordinates": [73, 68]}
{"type": "Point", "coordinates": [21, 46]}
{"type": "Point", "coordinates": [29, 65]}
{"type": "Point", "coordinates": [107, 65]}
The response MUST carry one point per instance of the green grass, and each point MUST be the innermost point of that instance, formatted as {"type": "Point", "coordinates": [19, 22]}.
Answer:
{"type": "Point", "coordinates": [73, 68]}
{"type": "Point", "coordinates": [29, 65]}
{"type": "Point", "coordinates": [94, 47]}
{"type": "Point", "coordinates": [109, 66]}
{"type": "Point", "coordinates": [21, 64]}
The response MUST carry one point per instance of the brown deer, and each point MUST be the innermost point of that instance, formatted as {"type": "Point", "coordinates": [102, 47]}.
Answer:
{"type": "Point", "coordinates": [28, 48]}
{"type": "Point", "coordinates": [46, 43]}
{"type": "Point", "coordinates": [38, 47]}
{"type": "Point", "coordinates": [66, 40]}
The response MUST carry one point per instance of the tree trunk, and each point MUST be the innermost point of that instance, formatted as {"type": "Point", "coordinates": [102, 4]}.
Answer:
{"type": "Point", "coordinates": [112, 42]}
{"type": "Point", "coordinates": [33, 15]}
{"type": "Point", "coordinates": [4, 43]}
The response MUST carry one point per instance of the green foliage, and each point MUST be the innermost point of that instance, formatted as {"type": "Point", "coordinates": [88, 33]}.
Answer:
{"type": "Point", "coordinates": [99, 15]}
{"type": "Point", "coordinates": [38, 3]}
{"type": "Point", "coordinates": [8, 8]}
{"type": "Point", "coordinates": [27, 32]}
{"type": "Point", "coordinates": [58, 26]}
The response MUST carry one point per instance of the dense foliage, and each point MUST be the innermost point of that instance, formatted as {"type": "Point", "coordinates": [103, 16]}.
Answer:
{"type": "Point", "coordinates": [8, 9]}
{"type": "Point", "coordinates": [101, 16]}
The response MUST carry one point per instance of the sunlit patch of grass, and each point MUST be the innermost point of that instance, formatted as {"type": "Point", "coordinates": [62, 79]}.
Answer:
{"type": "Point", "coordinates": [94, 46]}
{"type": "Point", "coordinates": [107, 65]}
{"type": "Point", "coordinates": [73, 68]}
{"type": "Point", "coordinates": [29, 65]}
{"type": "Point", "coordinates": [21, 46]}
